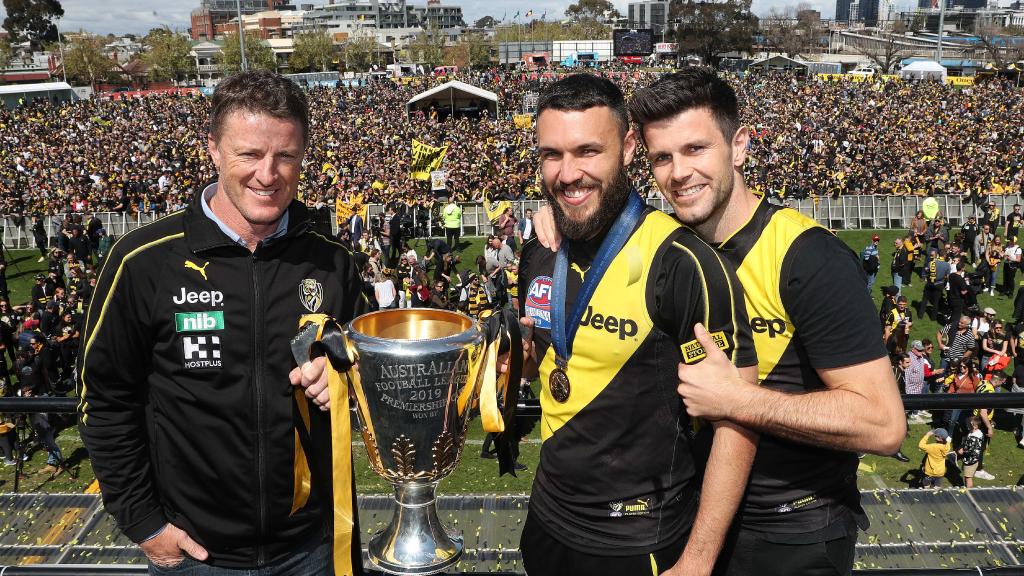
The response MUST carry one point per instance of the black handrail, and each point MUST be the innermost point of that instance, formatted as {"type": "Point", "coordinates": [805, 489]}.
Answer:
{"type": "Point", "coordinates": [14, 405]}
{"type": "Point", "coordinates": [122, 570]}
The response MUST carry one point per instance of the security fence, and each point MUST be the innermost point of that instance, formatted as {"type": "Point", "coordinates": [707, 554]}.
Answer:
{"type": "Point", "coordinates": [913, 532]}
{"type": "Point", "coordinates": [842, 213]}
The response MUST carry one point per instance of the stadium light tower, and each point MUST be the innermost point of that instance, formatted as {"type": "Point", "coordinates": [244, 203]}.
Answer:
{"type": "Point", "coordinates": [241, 36]}
{"type": "Point", "coordinates": [942, 18]}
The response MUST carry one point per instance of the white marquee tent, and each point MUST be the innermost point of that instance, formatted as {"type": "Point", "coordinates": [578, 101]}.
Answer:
{"type": "Point", "coordinates": [924, 70]}
{"type": "Point", "coordinates": [455, 96]}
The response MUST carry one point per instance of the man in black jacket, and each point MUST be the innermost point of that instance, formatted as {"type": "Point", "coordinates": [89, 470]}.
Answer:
{"type": "Point", "coordinates": [958, 292]}
{"type": "Point", "coordinates": [186, 405]}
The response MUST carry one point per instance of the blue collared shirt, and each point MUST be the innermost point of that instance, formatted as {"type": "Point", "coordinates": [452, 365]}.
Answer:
{"type": "Point", "coordinates": [209, 191]}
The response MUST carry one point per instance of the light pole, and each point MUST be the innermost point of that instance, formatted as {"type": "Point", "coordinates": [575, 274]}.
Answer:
{"type": "Point", "coordinates": [241, 36]}
{"type": "Point", "coordinates": [942, 18]}
{"type": "Point", "coordinates": [60, 46]}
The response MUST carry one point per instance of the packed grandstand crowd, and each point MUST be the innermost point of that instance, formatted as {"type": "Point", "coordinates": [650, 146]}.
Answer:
{"type": "Point", "coordinates": [810, 138]}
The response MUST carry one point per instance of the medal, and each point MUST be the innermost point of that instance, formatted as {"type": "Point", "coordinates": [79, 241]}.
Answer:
{"type": "Point", "coordinates": [563, 327]}
{"type": "Point", "coordinates": [558, 384]}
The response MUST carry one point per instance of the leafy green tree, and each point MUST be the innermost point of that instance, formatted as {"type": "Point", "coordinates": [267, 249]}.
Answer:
{"type": "Point", "coordinates": [538, 31]}
{"type": "Point", "coordinates": [314, 52]}
{"type": "Point", "coordinates": [84, 60]}
{"type": "Point", "coordinates": [708, 29]}
{"type": "Point", "coordinates": [259, 56]}
{"type": "Point", "coordinates": [485, 22]}
{"type": "Point", "coordinates": [592, 10]}
{"type": "Point", "coordinates": [167, 55]}
{"type": "Point", "coordinates": [359, 53]}
{"type": "Point", "coordinates": [479, 52]}
{"type": "Point", "coordinates": [32, 20]}
{"type": "Point", "coordinates": [6, 53]}
{"type": "Point", "coordinates": [429, 49]}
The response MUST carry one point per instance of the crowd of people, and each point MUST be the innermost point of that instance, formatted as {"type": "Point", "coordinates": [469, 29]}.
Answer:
{"type": "Point", "coordinates": [974, 350]}
{"type": "Point", "coordinates": [40, 338]}
{"type": "Point", "coordinates": [809, 137]}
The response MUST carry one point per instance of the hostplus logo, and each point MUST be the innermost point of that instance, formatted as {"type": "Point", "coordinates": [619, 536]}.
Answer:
{"type": "Point", "coordinates": [201, 351]}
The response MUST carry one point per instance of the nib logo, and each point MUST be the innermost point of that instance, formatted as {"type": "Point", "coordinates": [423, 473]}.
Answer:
{"type": "Point", "coordinates": [201, 351]}
{"type": "Point", "coordinates": [198, 321]}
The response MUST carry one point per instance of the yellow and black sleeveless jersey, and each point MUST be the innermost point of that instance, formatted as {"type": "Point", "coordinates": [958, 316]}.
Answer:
{"type": "Point", "coordinates": [617, 471]}
{"type": "Point", "coordinates": [808, 310]}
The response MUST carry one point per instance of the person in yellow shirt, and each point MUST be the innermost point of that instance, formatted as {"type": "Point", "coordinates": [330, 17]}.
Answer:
{"type": "Point", "coordinates": [935, 464]}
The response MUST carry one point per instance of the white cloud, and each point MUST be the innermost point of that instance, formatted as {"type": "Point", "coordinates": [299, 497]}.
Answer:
{"type": "Point", "coordinates": [124, 16]}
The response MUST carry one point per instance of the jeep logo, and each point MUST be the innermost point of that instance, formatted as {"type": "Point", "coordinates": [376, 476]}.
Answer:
{"type": "Point", "coordinates": [213, 297]}
{"type": "Point", "coordinates": [624, 327]}
{"type": "Point", "coordinates": [773, 326]}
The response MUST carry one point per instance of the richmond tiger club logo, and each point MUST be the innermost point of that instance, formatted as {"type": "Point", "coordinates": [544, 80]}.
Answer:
{"type": "Point", "coordinates": [311, 294]}
{"type": "Point", "coordinates": [538, 302]}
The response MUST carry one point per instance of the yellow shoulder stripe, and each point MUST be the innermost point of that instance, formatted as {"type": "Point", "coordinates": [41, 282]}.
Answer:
{"type": "Point", "coordinates": [103, 310]}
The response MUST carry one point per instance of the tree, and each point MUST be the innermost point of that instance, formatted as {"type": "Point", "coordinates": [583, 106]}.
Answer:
{"type": "Point", "coordinates": [485, 22]}
{"type": "Point", "coordinates": [314, 52]}
{"type": "Point", "coordinates": [998, 43]}
{"type": "Point", "coordinates": [708, 29]}
{"type": "Point", "coordinates": [886, 53]}
{"type": "Point", "coordinates": [429, 49]}
{"type": "Point", "coordinates": [539, 31]}
{"type": "Point", "coordinates": [32, 20]}
{"type": "Point", "coordinates": [167, 55]}
{"type": "Point", "coordinates": [259, 56]}
{"type": "Point", "coordinates": [790, 31]}
{"type": "Point", "coordinates": [479, 52]}
{"type": "Point", "coordinates": [599, 10]}
{"type": "Point", "coordinates": [359, 53]}
{"type": "Point", "coordinates": [84, 60]}
{"type": "Point", "coordinates": [6, 53]}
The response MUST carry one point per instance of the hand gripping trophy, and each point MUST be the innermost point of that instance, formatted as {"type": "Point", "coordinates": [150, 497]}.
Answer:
{"type": "Point", "coordinates": [415, 376]}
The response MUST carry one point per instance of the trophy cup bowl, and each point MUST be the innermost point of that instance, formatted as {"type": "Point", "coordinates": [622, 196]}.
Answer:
{"type": "Point", "coordinates": [415, 380]}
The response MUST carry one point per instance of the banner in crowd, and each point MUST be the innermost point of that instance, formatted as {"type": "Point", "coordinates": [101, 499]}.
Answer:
{"type": "Point", "coordinates": [495, 209]}
{"type": "Point", "coordinates": [425, 159]}
{"type": "Point", "coordinates": [344, 210]}
{"type": "Point", "coordinates": [523, 121]}
{"type": "Point", "coordinates": [438, 180]}
{"type": "Point", "coordinates": [960, 80]}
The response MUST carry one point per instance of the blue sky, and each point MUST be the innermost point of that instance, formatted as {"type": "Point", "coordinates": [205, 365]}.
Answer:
{"type": "Point", "coordinates": [139, 16]}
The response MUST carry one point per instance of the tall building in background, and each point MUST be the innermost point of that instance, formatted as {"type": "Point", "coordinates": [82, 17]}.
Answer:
{"type": "Point", "coordinates": [213, 12]}
{"type": "Point", "coordinates": [651, 14]}
{"type": "Point", "coordinates": [843, 11]}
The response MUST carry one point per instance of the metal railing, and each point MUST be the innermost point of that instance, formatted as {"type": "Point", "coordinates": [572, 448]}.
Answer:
{"type": "Point", "coordinates": [843, 213]}
{"type": "Point", "coordinates": [529, 408]}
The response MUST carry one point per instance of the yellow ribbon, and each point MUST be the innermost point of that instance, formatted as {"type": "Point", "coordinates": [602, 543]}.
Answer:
{"type": "Point", "coordinates": [490, 413]}
{"type": "Point", "coordinates": [341, 458]}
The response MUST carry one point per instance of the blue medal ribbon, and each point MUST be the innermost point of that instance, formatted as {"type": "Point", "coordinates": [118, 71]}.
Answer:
{"type": "Point", "coordinates": [563, 332]}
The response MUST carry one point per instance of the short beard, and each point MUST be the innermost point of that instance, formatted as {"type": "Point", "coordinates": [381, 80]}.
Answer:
{"type": "Point", "coordinates": [613, 200]}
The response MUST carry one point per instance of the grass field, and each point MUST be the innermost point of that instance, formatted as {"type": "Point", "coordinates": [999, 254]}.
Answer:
{"type": "Point", "coordinates": [475, 475]}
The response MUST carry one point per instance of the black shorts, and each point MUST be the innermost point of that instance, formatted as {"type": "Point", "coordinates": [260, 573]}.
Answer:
{"type": "Point", "coordinates": [545, 556]}
{"type": "Point", "coordinates": [747, 552]}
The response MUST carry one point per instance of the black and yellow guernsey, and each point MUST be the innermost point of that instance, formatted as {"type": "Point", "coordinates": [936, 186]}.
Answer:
{"type": "Point", "coordinates": [617, 472]}
{"type": "Point", "coordinates": [808, 309]}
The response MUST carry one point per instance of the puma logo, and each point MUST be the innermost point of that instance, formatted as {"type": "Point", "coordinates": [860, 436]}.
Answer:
{"type": "Point", "coordinates": [190, 265]}
{"type": "Point", "coordinates": [580, 271]}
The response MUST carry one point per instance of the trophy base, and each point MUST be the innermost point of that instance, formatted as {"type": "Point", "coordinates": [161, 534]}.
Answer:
{"type": "Point", "coordinates": [415, 542]}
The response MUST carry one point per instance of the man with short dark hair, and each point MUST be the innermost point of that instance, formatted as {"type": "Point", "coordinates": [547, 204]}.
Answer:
{"type": "Point", "coordinates": [827, 388]}
{"type": "Point", "coordinates": [615, 312]}
{"type": "Point", "coordinates": [186, 402]}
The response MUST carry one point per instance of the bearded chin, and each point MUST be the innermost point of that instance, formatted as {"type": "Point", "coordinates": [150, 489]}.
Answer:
{"type": "Point", "coordinates": [612, 201]}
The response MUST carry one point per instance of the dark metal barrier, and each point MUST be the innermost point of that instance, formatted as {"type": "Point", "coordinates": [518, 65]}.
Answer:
{"type": "Point", "coordinates": [531, 407]}
{"type": "Point", "coordinates": [113, 570]}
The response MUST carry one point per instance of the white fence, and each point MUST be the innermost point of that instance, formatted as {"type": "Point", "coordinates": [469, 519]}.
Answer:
{"type": "Point", "coordinates": [843, 213]}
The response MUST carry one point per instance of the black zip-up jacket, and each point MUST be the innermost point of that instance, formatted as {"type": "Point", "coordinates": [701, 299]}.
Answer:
{"type": "Point", "coordinates": [186, 408]}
